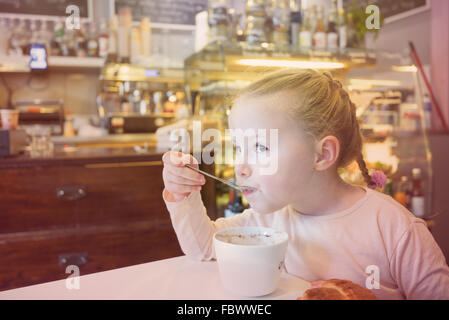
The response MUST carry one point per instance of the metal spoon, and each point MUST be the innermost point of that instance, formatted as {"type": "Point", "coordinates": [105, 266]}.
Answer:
{"type": "Point", "coordinates": [217, 178]}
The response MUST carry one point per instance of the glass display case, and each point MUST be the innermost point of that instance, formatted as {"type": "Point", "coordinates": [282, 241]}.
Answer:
{"type": "Point", "coordinates": [390, 101]}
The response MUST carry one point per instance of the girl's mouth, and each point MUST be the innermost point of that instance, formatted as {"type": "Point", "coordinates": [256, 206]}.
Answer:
{"type": "Point", "coordinates": [247, 190]}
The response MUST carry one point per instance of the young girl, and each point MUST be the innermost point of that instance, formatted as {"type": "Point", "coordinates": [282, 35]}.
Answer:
{"type": "Point", "coordinates": [336, 230]}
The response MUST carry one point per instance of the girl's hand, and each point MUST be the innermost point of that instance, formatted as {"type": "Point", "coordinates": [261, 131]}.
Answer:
{"type": "Point", "coordinates": [179, 180]}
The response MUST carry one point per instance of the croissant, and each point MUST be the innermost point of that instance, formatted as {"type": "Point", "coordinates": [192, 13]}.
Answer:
{"type": "Point", "coordinates": [337, 289]}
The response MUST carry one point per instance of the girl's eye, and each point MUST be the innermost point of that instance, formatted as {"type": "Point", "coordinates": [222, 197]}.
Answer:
{"type": "Point", "coordinates": [261, 148]}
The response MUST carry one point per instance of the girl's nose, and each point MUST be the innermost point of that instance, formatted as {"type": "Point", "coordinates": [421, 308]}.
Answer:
{"type": "Point", "coordinates": [242, 170]}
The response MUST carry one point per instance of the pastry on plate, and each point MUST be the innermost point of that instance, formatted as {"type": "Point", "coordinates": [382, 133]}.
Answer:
{"type": "Point", "coordinates": [337, 289]}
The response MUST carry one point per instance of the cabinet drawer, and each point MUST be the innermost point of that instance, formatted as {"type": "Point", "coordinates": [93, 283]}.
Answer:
{"type": "Point", "coordinates": [52, 197]}
{"type": "Point", "coordinates": [27, 262]}
{"type": "Point", "coordinates": [125, 248]}
{"type": "Point", "coordinates": [45, 258]}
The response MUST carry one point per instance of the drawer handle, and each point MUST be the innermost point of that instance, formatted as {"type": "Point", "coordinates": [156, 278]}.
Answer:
{"type": "Point", "coordinates": [71, 193]}
{"type": "Point", "coordinates": [77, 259]}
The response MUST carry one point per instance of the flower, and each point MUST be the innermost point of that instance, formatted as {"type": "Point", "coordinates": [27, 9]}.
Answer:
{"type": "Point", "coordinates": [379, 179]}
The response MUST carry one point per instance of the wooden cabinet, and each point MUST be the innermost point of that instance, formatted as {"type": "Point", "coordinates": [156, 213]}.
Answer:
{"type": "Point", "coordinates": [98, 214]}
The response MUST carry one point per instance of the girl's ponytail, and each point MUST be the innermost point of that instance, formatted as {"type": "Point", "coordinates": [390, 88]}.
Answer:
{"type": "Point", "coordinates": [362, 165]}
{"type": "Point", "coordinates": [377, 179]}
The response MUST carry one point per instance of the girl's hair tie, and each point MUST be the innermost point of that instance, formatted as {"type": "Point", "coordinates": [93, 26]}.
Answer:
{"type": "Point", "coordinates": [379, 179]}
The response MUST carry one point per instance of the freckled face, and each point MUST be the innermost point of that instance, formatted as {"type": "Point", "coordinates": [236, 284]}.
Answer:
{"type": "Point", "coordinates": [284, 178]}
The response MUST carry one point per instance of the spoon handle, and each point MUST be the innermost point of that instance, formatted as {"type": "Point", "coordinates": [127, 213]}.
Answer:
{"type": "Point", "coordinates": [213, 177]}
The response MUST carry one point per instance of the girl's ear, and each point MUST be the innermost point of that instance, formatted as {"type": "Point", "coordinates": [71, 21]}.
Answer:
{"type": "Point", "coordinates": [327, 150]}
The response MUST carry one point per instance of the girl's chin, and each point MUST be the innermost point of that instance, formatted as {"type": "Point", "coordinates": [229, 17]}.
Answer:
{"type": "Point", "coordinates": [263, 208]}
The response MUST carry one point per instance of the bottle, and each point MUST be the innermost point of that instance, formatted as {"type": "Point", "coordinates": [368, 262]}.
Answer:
{"type": "Point", "coordinates": [342, 36]}
{"type": "Point", "coordinates": [234, 25]}
{"type": "Point", "coordinates": [351, 32]}
{"type": "Point", "coordinates": [70, 40]}
{"type": "Point", "coordinates": [17, 39]}
{"type": "Point", "coordinates": [103, 38]}
{"type": "Point", "coordinates": [145, 34]}
{"type": "Point", "coordinates": [305, 35]}
{"type": "Point", "coordinates": [258, 24]}
{"type": "Point", "coordinates": [54, 44]}
{"type": "Point", "coordinates": [332, 30]}
{"type": "Point", "coordinates": [26, 35]}
{"type": "Point", "coordinates": [135, 44]}
{"type": "Point", "coordinates": [319, 36]}
{"type": "Point", "coordinates": [295, 23]}
{"type": "Point", "coordinates": [91, 40]}
{"type": "Point", "coordinates": [313, 19]}
{"type": "Point", "coordinates": [112, 40]}
{"type": "Point", "coordinates": [80, 43]}
{"type": "Point", "coordinates": [218, 19]}
{"type": "Point", "coordinates": [403, 194]}
{"type": "Point", "coordinates": [281, 23]}
{"type": "Point", "coordinates": [267, 22]}
{"type": "Point", "coordinates": [158, 106]}
{"type": "Point", "coordinates": [46, 35]}
{"type": "Point", "coordinates": [60, 45]}
{"type": "Point", "coordinates": [417, 194]}
{"type": "Point", "coordinates": [123, 34]}
{"type": "Point", "coordinates": [34, 32]}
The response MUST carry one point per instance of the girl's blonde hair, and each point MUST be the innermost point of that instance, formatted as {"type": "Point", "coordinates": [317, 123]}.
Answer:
{"type": "Point", "coordinates": [321, 106]}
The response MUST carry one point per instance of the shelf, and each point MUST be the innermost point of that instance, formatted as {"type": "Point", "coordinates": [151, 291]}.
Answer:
{"type": "Point", "coordinates": [75, 62]}
{"type": "Point", "coordinates": [232, 61]}
{"type": "Point", "coordinates": [21, 63]}
{"type": "Point", "coordinates": [130, 72]}
{"type": "Point", "coordinates": [232, 51]}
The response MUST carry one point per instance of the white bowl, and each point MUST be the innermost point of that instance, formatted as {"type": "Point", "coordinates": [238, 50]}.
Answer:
{"type": "Point", "coordinates": [250, 259]}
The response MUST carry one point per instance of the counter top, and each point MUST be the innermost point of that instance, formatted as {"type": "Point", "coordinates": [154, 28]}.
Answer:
{"type": "Point", "coordinates": [72, 156]}
{"type": "Point", "coordinates": [179, 278]}
{"type": "Point", "coordinates": [79, 150]}
{"type": "Point", "coordinates": [110, 138]}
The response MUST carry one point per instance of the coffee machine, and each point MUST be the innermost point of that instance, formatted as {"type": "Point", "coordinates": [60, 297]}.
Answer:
{"type": "Point", "coordinates": [137, 106]}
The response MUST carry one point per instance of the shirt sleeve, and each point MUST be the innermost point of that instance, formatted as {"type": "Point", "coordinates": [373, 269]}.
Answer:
{"type": "Point", "coordinates": [193, 227]}
{"type": "Point", "coordinates": [419, 266]}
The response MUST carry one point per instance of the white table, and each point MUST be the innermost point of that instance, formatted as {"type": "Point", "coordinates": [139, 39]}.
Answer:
{"type": "Point", "coordinates": [179, 278]}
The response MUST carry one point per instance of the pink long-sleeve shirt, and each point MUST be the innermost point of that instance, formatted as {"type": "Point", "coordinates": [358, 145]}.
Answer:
{"type": "Point", "coordinates": [374, 239]}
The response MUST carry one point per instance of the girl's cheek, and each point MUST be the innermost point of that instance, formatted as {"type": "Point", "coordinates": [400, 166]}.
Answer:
{"type": "Point", "coordinates": [276, 185]}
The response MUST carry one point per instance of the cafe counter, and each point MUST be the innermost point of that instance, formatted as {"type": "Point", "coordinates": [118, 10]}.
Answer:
{"type": "Point", "coordinates": [99, 208]}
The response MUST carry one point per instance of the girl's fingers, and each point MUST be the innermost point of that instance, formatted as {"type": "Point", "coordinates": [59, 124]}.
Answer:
{"type": "Point", "coordinates": [185, 173]}
{"type": "Point", "coordinates": [179, 159]}
{"type": "Point", "coordinates": [173, 158]}
{"type": "Point", "coordinates": [174, 187]}
{"type": "Point", "coordinates": [181, 180]}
